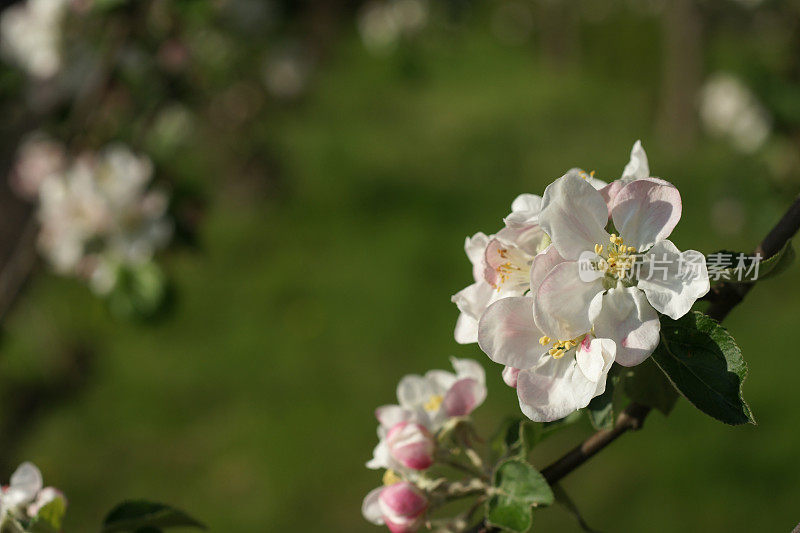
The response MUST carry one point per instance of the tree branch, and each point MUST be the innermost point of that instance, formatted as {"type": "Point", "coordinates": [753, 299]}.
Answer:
{"type": "Point", "coordinates": [727, 295]}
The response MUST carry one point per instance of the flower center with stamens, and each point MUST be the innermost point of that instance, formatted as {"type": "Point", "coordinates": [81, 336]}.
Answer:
{"type": "Point", "coordinates": [433, 403]}
{"type": "Point", "coordinates": [618, 260]}
{"type": "Point", "coordinates": [560, 348]}
{"type": "Point", "coordinates": [508, 266]}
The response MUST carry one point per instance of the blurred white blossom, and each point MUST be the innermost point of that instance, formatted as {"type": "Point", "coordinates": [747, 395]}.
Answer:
{"type": "Point", "coordinates": [729, 109]}
{"type": "Point", "coordinates": [24, 496]}
{"type": "Point", "coordinates": [37, 158]}
{"type": "Point", "coordinates": [30, 35]}
{"type": "Point", "coordinates": [382, 23]}
{"type": "Point", "coordinates": [98, 214]}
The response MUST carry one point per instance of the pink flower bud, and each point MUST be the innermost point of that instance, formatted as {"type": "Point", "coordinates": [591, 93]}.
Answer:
{"type": "Point", "coordinates": [510, 376]}
{"type": "Point", "coordinates": [411, 444]}
{"type": "Point", "coordinates": [402, 506]}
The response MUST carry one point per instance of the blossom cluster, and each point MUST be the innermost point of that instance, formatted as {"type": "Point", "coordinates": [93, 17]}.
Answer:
{"type": "Point", "coordinates": [409, 433]}
{"type": "Point", "coordinates": [24, 497]}
{"type": "Point", "coordinates": [567, 287]}
{"type": "Point", "coordinates": [97, 212]}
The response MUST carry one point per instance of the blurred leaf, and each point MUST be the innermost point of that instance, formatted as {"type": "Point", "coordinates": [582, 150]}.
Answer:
{"type": "Point", "coordinates": [139, 291]}
{"type": "Point", "coordinates": [50, 517]}
{"type": "Point", "coordinates": [141, 516]}
{"type": "Point", "coordinates": [703, 362]}
{"type": "Point", "coordinates": [517, 488]}
{"type": "Point", "coordinates": [646, 384]}
{"type": "Point", "coordinates": [563, 498]}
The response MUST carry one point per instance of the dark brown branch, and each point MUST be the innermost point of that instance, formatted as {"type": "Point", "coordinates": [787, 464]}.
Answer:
{"type": "Point", "coordinates": [727, 295]}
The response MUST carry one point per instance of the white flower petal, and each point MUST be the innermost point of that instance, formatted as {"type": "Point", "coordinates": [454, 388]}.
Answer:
{"type": "Point", "coordinates": [472, 302]}
{"type": "Point", "coordinates": [524, 211]}
{"type": "Point", "coordinates": [370, 508]}
{"type": "Point", "coordinates": [390, 415]}
{"type": "Point", "coordinates": [528, 239]}
{"type": "Point", "coordinates": [574, 215]}
{"type": "Point", "coordinates": [413, 390]}
{"type": "Point", "coordinates": [561, 304]}
{"type": "Point", "coordinates": [468, 368]}
{"type": "Point", "coordinates": [508, 334]}
{"type": "Point", "coordinates": [25, 483]}
{"type": "Point", "coordinates": [637, 167]}
{"type": "Point", "coordinates": [646, 211]}
{"type": "Point", "coordinates": [627, 318]}
{"type": "Point", "coordinates": [672, 280]}
{"type": "Point", "coordinates": [554, 389]}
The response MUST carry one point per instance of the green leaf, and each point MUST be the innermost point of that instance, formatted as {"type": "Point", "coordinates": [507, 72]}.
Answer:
{"type": "Point", "coordinates": [517, 487]}
{"type": "Point", "coordinates": [141, 515]}
{"type": "Point", "coordinates": [516, 437]}
{"type": "Point", "coordinates": [563, 498]}
{"type": "Point", "coordinates": [647, 385]}
{"type": "Point", "coordinates": [778, 263]}
{"type": "Point", "coordinates": [703, 362]}
{"type": "Point", "coordinates": [50, 517]}
{"type": "Point", "coordinates": [740, 267]}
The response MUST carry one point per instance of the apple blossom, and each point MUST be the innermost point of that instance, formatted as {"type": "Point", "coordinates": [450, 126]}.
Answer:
{"type": "Point", "coordinates": [440, 395]}
{"type": "Point", "coordinates": [553, 377]}
{"type": "Point", "coordinates": [400, 506]}
{"type": "Point", "coordinates": [30, 35]}
{"type": "Point", "coordinates": [500, 264]}
{"type": "Point", "coordinates": [25, 496]}
{"type": "Point", "coordinates": [611, 283]}
{"type": "Point", "coordinates": [98, 214]}
{"type": "Point", "coordinates": [404, 443]}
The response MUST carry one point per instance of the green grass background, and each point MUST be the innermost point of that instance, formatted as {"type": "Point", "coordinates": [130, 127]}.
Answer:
{"type": "Point", "coordinates": [251, 404]}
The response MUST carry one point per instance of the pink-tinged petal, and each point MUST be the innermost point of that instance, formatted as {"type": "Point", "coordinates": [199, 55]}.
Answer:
{"type": "Point", "coordinates": [510, 376]}
{"type": "Point", "coordinates": [671, 280]}
{"type": "Point", "coordinates": [524, 211]}
{"type": "Point", "coordinates": [464, 397]}
{"type": "Point", "coordinates": [403, 507]}
{"type": "Point", "coordinates": [645, 212]}
{"type": "Point", "coordinates": [610, 192]}
{"type": "Point", "coordinates": [554, 389]}
{"type": "Point", "coordinates": [627, 318]}
{"type": "Point", "coordinates": [637, 168]}
{"type": "Point", "coordinates": [508, 334]}
{"type": "Point", "coordinates": [542, 264]}
{"type": "Point", "coordinates": [411, 445]}
{"type": "Point", "coordinates": [371, 509]}
{"type": "Point", "coordinates": [561, 305]}
{"type": "Point", "coordinates": [574, 215]}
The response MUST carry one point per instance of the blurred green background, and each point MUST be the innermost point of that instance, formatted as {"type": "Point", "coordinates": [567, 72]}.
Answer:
{"type": "Point", "coordinates": [316, 287]}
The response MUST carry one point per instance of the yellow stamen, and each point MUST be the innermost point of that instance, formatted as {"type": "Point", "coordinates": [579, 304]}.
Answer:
{"type": "Point", "coordinates": [598, 249]}
{"type": "Point", "coordinates": [544, 340]}
{"type": "Point", "coordinates": [433, 403]}
{"type": "Point", "coordinates": [390, 477]}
